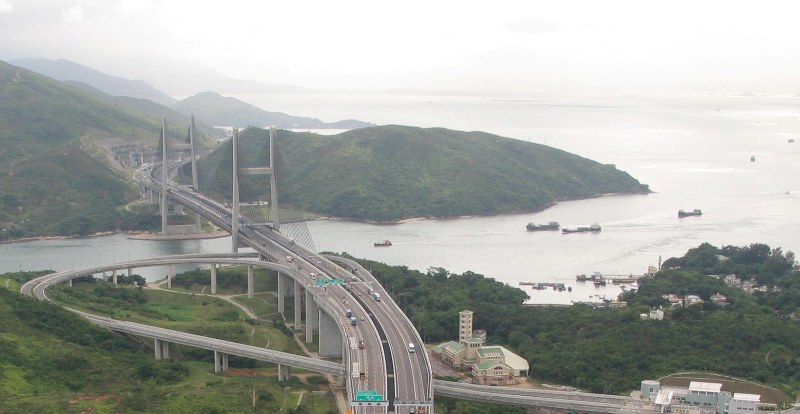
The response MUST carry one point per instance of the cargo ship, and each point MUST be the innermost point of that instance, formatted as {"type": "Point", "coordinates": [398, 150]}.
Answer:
{"type": "Point", "coordinates": [694, 212]}
{"type": "Point", "coordinates": [549, 226]}
{"type": "Point", "coordinates": [593, 228]}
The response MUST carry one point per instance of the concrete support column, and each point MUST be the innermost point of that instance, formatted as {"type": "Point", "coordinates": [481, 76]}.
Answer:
{"type": "Point", "coordinates": [281, 295]}
{"type": "Point", "coordinates": [213, 278]}
{"type": "Point", "coordinates": [177, 208]}
{"type": "Point", "coordinates": [220, 362]}
{"type": "Point", "coordinates": [130, 272]}
{"type": "Point", "coordinates": [250, 282]}
{"type": "Point", "coordinates": [298, 300]}
{"type": "Point", "coordinates": [157, 348]}
{"type": "Point", "coordinates": [114, 276]}
{"type": "Point", "coordinates": [284, 372]}
{"type": "Point", "coordinates": [330, 338]}
{"type": "Point", "coordinates": [170, 274]}
{"type": "Point", "coordinates": [312, 316]}
{"type": "Point", "coordinates": [165, 349]}
{"type": "Point", "coordinates": [70, 283]}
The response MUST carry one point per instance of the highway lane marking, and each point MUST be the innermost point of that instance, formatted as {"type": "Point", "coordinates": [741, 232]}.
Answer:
{"type": "Point", "coordinates": [353, 343]}
{"type": "Point", "coordinates": [355, 370]}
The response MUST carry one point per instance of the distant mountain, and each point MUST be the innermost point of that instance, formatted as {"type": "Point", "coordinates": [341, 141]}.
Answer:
{"type": "Point", "coordinates": [183, 78]}
{"type": "Point", "coordinates": [65, 70]}
{"type": "Point", "coordinates": [215, 109]}
{"type": "Point", "coordinates": [394, 172]}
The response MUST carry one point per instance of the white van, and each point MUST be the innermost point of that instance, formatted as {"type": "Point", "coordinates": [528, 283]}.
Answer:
{"type": "Point", "coordinates": [411, 348]}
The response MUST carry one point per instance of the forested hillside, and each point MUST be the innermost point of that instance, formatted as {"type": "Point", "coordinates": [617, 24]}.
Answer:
{"type": "Point", "coordinates": [393, 172]}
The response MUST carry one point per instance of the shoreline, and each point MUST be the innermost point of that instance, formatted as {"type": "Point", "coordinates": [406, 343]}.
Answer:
{"type": "Point", "coordinates": [144, 235]}
{"type": "Point", "coordinates": [133, 235]}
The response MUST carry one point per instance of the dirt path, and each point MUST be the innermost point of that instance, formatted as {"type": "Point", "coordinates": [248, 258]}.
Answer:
{"type": "Point", "coordinates": [158, 285]}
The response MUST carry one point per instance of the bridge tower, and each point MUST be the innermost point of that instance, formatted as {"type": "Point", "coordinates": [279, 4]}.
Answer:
{"type": "Point", "coordinates": [164, 202]}
{"type": "Point", "coordinates": [164, 168]}
{"type": "Point", "coordinates": [270, 170]}
{"type": "Point", "coordinates": [195, 183]}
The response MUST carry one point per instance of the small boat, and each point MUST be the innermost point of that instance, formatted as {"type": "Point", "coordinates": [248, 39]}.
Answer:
{"type": "Point", "coordinates": [582, 278]}
{"type": "Point", "coordinates": [695, 212]}
{"type": "Point", "coordinates": [752, 158]}
{"type": "Point", "coordinates": [549, 226]}
{"type": "Point", "coordinates": [384, 243]}
{"type": "Point", "coordinates": [791, 140]}
{"type": "Point", "coordinates": [593, 228]}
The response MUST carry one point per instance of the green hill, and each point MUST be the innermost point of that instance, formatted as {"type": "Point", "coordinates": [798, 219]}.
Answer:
{"type": "Point", "coordinates": [54, 155]}
{"type": "Point", "coordinates": [215, 109]}
{"type": "Point", "coordinates": [393, 172]}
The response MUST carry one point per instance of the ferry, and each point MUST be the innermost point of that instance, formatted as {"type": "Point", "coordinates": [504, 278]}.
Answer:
{"type": "Point", "coordinates": [593, 228]}
{"type": "Point", "coordinates": [549, 226]}
{"type": "Point", "coordinates": [695, 212]}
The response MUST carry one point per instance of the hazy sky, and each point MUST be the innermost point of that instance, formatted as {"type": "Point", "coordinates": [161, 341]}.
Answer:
{"type": "Point", "coordinates": [520, 45]}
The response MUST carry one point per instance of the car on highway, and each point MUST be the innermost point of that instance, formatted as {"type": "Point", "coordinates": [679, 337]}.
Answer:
{"type": "Point", "coordinates": [361, 343]}
{"type": "Point", "coordinates": [313, 275]}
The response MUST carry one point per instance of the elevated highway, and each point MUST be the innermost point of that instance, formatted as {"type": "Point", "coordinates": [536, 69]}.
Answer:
{"type": "Point", "coordinates": [384, 364]}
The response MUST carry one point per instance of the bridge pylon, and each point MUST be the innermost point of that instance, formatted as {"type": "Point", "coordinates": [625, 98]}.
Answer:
{"type": "Point", "coordinates": [237, 171]}
{"type": "Point", "coordinates": [164, 202]}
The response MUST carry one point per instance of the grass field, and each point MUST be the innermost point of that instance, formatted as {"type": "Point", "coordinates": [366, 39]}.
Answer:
{"type": "Point", "coordinates": [264, 305]}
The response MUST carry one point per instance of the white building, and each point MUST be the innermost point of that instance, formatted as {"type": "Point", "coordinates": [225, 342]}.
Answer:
{"type": "Point", "coordinates": [699, 398]}
{"type": "Point", "coordinates": [494, 365]}
{"type": "Point", "coordinates": [743, 403]}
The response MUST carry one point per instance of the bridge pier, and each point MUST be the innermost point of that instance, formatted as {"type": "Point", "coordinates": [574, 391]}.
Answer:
{"type": "Point", "coordinates": [284, 372]}
{"type": "Point", "coordinates": [161, 349]}
{"type": "Point", "coordinates": [213, 278]}
{"type": "Point", "coordinates": [281, 295]}
{"type": "Point", "coordinates": [130, 272]}
{"type": "Point", "coordinates": [114, 276]}
{"type": "Point", "coordinates": [298, 300]}
{"type": "Point", "coordinates": [312, 316]}
{"type": "Point", "coordinates": [170, 273]}
{"type": "Point", "coordinates": [330, 338]}
{"type": "Point", "coordinates": [250, 282]}
{"type": "Point", "coordinates": [220, 362]}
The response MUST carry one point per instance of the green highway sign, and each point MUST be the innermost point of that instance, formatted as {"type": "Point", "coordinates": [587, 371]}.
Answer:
{"type": "Point", "coordinates": [368, 395]}
{"type": "Point", "coordinates": [325, 282]}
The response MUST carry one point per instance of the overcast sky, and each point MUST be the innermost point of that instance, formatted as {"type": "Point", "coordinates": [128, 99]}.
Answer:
{"type": "Point", "coordinates": [525, 45]}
